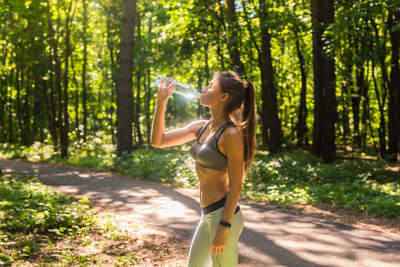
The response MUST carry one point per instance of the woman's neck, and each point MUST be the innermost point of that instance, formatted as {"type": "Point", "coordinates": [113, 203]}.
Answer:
{"type": "Point", "coordinates": [217, 117]}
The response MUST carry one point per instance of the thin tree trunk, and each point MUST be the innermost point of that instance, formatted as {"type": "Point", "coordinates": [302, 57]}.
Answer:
{"type": "Point", "coordinates": [148, 89]}
{"type": "Point", "coordinates": [233, 38]}
{"type": "Point", "coordinates": [199, 85]}
{"type": "Point", "coordinates": [219, 52]}
{"type": "Point", "coordinates": [344, 115]}
{"type": "Point", "coordinates": [84, 65]}
{"type": "Point", "coordinates": [271, 122]}
{"type": "Point", "coordinates": [65, 122]}
{"type": "Point", "coordinates": [301, 124]}
{"type": "Point", "coordinates": [382, 132]}
{"type": "Point", "coordinates": [137, 107]}
{"type": "Point", "coordinates": [19, 110]}
{"type": "Point", "coordinates": [394, 88]}
{"type": "Point", "coordinates": [204, 111]}
{"type": "Point", "coordinates": [52, 116]}
{"type": "Point", "coordinates": [3, 101]}
{"type": "Point", "coordinates": [264, 131]}
{"type": "Point", "coordinates": [138, 77]}
{"type": "Point", "coordinates": [381, 53]}
{"type": "Point", "coordinates": [10, 110]}
{"type": "Point", "coordinates": [26, 114]}
{"type": "Point", "coordinates": [355, 101]}
{"type": "Point", "coordinates": [363, 89]}
{"type": "Point", "coordinates": [76, 98]}
{"type": "Point", "coordinates": [114, 80]}
{"type": "Point", "coordinates": [59, 95]}
{"type": "Point", "coordinates": [366, 119]}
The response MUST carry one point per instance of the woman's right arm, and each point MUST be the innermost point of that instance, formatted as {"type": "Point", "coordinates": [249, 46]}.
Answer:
{"type": "Point", "coordinates": [174, 137]}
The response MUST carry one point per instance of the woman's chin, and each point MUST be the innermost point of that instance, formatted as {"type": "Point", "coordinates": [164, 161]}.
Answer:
{"type": "Point", "coordinates": [203, 104]}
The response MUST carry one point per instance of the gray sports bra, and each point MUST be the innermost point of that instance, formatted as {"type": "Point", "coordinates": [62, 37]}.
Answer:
{"type": "Point", "coordinates": [207, 153]}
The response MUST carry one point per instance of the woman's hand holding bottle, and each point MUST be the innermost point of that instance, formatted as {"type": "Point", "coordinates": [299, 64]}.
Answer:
{"type": "Point", "coordinates": [179, 88]}
{"type": "Point", "coordinates": [166, 89]}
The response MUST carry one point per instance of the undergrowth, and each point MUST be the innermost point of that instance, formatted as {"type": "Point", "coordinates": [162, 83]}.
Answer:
{"type": "Point", "coordinates": [363, 185]}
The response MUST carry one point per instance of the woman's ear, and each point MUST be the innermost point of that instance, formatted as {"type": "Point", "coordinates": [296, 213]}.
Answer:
{"type": "Point", "coordinates": [224, 97]}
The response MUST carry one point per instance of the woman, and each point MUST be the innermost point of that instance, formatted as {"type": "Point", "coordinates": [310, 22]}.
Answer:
{"type": "Point", "coordinates": [223, 151]}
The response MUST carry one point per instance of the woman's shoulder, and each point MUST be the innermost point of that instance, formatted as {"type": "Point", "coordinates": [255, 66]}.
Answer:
{"type": "Point", "coordinates": [198, 123]}
{"type": "Point", "coordinates": [195, 126]}
{"type": "Point", "coordinates": [233, 131]}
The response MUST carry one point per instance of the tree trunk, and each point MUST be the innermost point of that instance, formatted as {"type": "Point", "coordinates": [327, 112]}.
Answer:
{"type": "Point", "coordinates": [10, 110]}
{"type": "Point", "coordinates": [381, 130]}
{"type": "Point", "coordinates": [344, 118]}
{"type": "Point", "coordinates": [271, 122]}
{"type": "Point", "coordinates": [365, 110]}
{"type": "Point", "coordinates": [381, 53]}
{"type": "Point", "coordinates": [52, 57]}
{"type": "Point", "coordinates": [76, 104]}
{"type": "Point", "coordinates": [219, 51]}
{"type": "Point", "coordinates": [148, 90]}
{"type": "Point", "coordinates": [199, 85]}
{"type": "Point", "coordinates": [3, 101]}
{"type": "Point", "coordinates": [137, 107]}
{"type": "Point", "coordinates": [19, 110]}
{"type": "Point", "coordinates": [355, 101]}
{"type": "Point", "coordinates": [26, 114]}
{"type": "Point", "coordinates": [301, 124]}
{"type": "Point", "coordinates": [322, 13]}
{"type": "Point", "coordinates": [233, 38]}
{"type": "Point", "coordinates": [65, 122]}
{"type": "Point", "coordinates": [84, 64]}
{"type": "Point", "coordinates": [114, 80]}
{"type": "Point", "coordinates": [125, 98]}
{"type": "Point", "coordinates": [138, 88]}
{"type": "Point", "coordinates": [394, 88]}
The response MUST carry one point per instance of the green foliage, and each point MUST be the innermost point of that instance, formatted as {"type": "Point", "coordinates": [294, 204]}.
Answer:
{"type": "Point", "coordinates": [30, 207]}
{"type": "Point", "coordinates": [174, 166]}
{"type": "Point", "coordinates": [31, 212]}
{"type": "Point", "coordinates": [361, 185]}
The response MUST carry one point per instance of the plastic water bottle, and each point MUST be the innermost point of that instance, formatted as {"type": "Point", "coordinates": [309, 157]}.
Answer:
{"type": "Point", "coordinates": [182, 89]}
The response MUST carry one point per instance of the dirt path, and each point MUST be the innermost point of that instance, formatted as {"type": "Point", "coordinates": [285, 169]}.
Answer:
{"type": "Point", "coordinates": [271, 237]}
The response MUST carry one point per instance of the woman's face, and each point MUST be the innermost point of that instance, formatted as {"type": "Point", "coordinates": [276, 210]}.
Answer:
{"type": "Point", "coordinates": [212, 94]}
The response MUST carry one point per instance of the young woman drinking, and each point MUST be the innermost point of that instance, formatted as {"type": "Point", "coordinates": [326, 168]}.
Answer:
{"type": "Point", "coordinates": [223, 152]}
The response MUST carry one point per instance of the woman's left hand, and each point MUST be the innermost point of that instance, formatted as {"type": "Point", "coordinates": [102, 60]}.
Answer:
{"type": "Point", "coordinates": [218, 244]}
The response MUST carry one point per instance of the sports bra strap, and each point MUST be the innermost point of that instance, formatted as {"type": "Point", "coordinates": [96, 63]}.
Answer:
{"type": "Point", "coordinates": [202, 129]}
{"type": "Point", "coordinates": [222, 129]}
{"type": "Point", "coordinates": [219, 131]}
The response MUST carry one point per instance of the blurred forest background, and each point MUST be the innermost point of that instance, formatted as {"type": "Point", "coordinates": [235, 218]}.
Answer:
{"type": "Point", "coordinates": [76, 87]}
{"type": "Point", "coordinates": [327, 72]}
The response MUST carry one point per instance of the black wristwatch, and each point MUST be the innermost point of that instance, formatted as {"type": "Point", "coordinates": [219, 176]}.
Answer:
{"type": "Point", "coordinates": [225, 224]}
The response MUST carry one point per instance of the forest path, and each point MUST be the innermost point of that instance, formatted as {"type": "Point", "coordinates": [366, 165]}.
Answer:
{"type": "Point", "coordinates": [271, 237]}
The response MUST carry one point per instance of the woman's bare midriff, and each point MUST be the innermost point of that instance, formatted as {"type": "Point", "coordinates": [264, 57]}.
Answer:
{"type": "Point", "coordinates": [213, 185]}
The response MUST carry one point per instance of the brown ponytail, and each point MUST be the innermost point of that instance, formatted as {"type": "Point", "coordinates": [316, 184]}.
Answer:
{"type": "Point", "coordinates": [248, 124]}
{"type": "Point", "coordinates": [242, 99]}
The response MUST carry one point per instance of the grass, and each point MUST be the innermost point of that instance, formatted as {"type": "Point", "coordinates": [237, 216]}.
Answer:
{"type": "Point", "coordinates": [369, 186]}
{"type": "Point", "coordinates": [42, 227]}
{"type": "Point", "coordinates": [33, 214]}
{"type": "Point", "coordinates": [360, 185]}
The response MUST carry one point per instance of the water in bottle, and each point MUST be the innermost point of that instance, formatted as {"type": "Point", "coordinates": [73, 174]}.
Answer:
{"type": "Point", "coordinates": [182, 89]}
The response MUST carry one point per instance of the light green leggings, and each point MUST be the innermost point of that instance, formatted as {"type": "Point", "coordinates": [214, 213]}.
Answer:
{"type": "Point", "coordinates": [200, 249]}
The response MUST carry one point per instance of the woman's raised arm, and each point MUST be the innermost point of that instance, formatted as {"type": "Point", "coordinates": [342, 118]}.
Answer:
{"type": "Point", "coordinates": [174, 137]}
